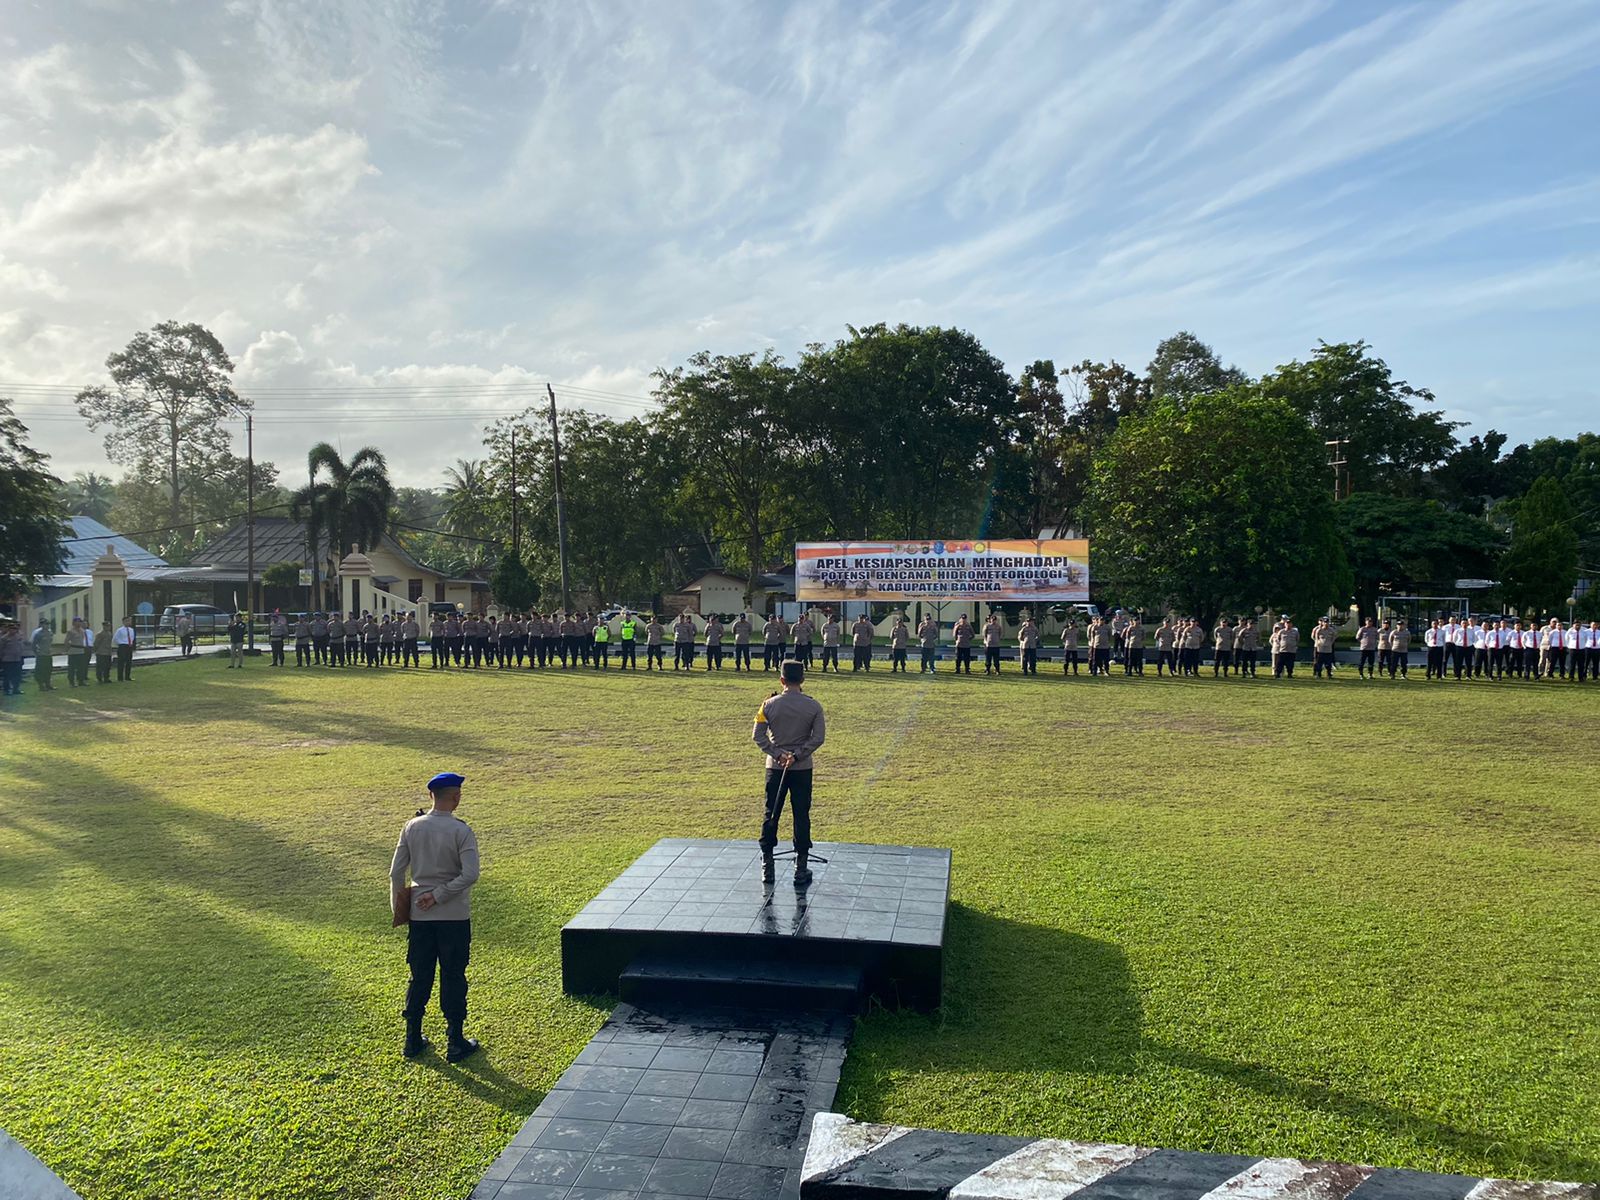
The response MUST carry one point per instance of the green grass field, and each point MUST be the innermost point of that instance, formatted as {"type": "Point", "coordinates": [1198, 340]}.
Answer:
{"type": "Point", "coordinates": [1349, 920]}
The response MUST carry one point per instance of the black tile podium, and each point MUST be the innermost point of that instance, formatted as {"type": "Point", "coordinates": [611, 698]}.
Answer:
{"type": "Point", "coordinates": [875, 914]}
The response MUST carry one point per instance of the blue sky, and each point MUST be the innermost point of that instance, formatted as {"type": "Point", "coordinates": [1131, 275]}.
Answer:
{"type": "Point", "coordinates": [361, 195]}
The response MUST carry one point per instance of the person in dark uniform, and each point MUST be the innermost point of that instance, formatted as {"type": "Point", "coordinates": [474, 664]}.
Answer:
{"type": "Point", "coordinates": [713, 642]}
{"type": "Point", "coordinates": [441, 853]}
{"type": "Point", "coordinates": [319, 638]}
{"type": "Point", "coordinates": [899, 643]}
{"type": "Point", "coordinates": [789, 729]}
{"type": "Point", "coordinates": [410, 633]}
{"type": "Point", "coordinates": [352, 640]}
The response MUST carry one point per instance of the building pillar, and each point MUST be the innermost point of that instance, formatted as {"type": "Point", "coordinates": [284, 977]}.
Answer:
{"type": "Point", "coordinates": [108, 589]}
{"type": "Point", "coordinates": [355, 582]}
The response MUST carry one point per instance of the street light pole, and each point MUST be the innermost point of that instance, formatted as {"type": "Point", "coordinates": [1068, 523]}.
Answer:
{"type": "Point", "coordinates": [561, 509]}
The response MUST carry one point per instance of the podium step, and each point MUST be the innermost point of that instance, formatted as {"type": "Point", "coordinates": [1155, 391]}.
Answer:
{"type": "Point", "coordinates": [747, 982]}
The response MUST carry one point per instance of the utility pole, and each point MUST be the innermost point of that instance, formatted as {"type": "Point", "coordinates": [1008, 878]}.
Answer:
{"type": "Point", "coordinates": [250, 528]}
{"type": "Point", "coordinates": [1340, 465]}
{"type": "Point", "coordinates": [516, 526]}
{"type": "Point", "coordinates": [561, 508]}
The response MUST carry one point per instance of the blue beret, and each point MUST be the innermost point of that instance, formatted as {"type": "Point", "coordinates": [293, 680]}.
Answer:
{"type": "Point", "coordinates": [446, 779]}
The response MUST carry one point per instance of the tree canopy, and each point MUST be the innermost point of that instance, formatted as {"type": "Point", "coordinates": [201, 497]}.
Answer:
{"type": "Point", "coordinates": [1216, 503]}
{"type": "Point", "coordinates": [33, 531]}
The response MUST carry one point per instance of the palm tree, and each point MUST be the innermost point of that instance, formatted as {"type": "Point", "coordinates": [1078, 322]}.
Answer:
{"type": "Point", "coordinates": [465, 486]}
{"type": "Point", "coordinates": [91, 494]}
{"type": "Point", "coordinates": [350, 506]}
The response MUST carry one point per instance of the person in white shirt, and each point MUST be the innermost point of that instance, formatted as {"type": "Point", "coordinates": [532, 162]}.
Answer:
{"type": "Point", "coordinates": [1591, 655]}
{"type": "Point", "coordinates": [126, 639]}
{"type": "Point", "coordinates": [1480, 649]}
{"type": "Point", "coordinates": [1530, 652]}
{"type": "Point", "coordinates": [1452, 642]}
{"type": "Point", "coordinates": [1549, 648]}
{"type": "Point", "coordinates": [1433, 642]}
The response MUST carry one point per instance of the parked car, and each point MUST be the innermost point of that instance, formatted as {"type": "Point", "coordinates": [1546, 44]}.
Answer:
{"type": "Point", "coordinates": [208, 618]}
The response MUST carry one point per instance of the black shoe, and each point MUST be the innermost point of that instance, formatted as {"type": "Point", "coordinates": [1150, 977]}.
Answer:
{"type": "Point", "coordinates": [802, 873]}
{"type": "Point", "coordinates": [460, 1047]}
{"type": "Point", "coordinates": [768, 871]}
{"type": "Point", "coordinates": [416, 1045]}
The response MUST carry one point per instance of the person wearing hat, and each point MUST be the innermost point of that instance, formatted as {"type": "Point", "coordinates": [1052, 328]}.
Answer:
{"type": "Point", "coordinates": [440, 851]}
{"type": "Point", "coordinates": [236, 631]}
{"type": "Point", "coordinates": [1285, 645]}
{"type": "Point", "coordinates": [277, 634]}
{"type": "Point", "coordinates": [302, 642]}
{"type": "Point", "coordinates": [104, 649]}
{"type": "Point", "coordinates": [78, 639]}
{"type": "Point", "coordinates": [789, 729]}
{"type": "Point", "coordinates": [319, 638]}
{"type": "Point", "coordinates": [44, 661]}
{"type": "Point", "coordinates": [11, 648]}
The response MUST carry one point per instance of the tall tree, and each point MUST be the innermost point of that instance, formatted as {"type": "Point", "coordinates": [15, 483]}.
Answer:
{"type": "Point", "coordinates": [343, 504]}
{"type": "Point", "coordinates": [1216, 504]}
{"type": "Point", "coordinates": [1036, 491]}
{"type": "Point", "coordinates": [901, 432]}
{"type": "Point", "coordinates": [1185, 367]}
{"type": "Point", "coordinates": [730, 412]}
{"type": "Point", "coordinates": [1406, 544]}
{"type": "Point", "coordinates": [213, 501]}
{"type": "Point", "coordinates": [1473, 476]}
{"type": "Point", "coordinates": [173, 389]}
{"type": "Point", "coordinates": [1099, 396]}
{"type": "Point", "coordinates": [467, 507]}
{"type": "Point", "coordinates": [1540, 567]}
{"type": "Point", "coordinates": [32, 533]}
{"type": "Point", "coordinates": [1349, 394]}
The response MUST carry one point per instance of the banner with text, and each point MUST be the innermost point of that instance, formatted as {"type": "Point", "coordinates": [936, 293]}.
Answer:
{"type": "Point", "coordinates": [980, 569]}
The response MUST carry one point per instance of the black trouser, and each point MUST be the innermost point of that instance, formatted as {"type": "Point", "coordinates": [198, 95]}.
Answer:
{"type": "Point", "coordinates": [1398, 660]}
{"type": "Point", "coordinates": [683, 656]}
{"type": "Point", "coordinates": [655, 656]}
{"type": "Point", "coordinates": [1283, 664]}
{"type": "Point", "coordinates": [436, 651]}
{"type": "Point", "coordinates": [964, 659]}
{"type": "Point", "coordinates": [1245, 659]}
{"type": "Point", "coordinates": [1069, 660]}
{"type": "Point", "coordinates": [1480, 660]}
{"type": "Point", "coordinates": [1135, 661]}
{"type": "Point", "coordinates": [408, 653]}
{"type": "Point", "coordinates": [771, 655]}
{"type": "Point", "coordinates": [352, 651]}
{"type": "Point", "coordinates": [577, 649]}
{"type": "Point", "coordinates": [927, 658]}
{"type": "Point", "coordinates": [1368, 663]}
{"type": "Point", "coordinates": [797, 786]}
{"type": "Point", "coordinates": [830, 654]}
{"type": "Point", "coordinates": [602, 655]}
{"type": "Point", "coordinates": [277, 651]}
{"type": "Point", "coordinates": [741, 655]}
{"type": "Point", "coordinates": [186, 644]}
{"type": "Point", "coordinates": [582, 642]}
{"type": "Point", "coordinates": [897, 659]}
{"type": "Point", "coordinates": [991, 659]}
{"type": "Point", "coordinates": [447, 945]}
{"type": "Point", "coordinates": [714, 655]}
{"type": "Point", "coordinates": [1435, 662]}
{"type": "Point", "coordinates": [302, 654]}
{"type": "Point", "coordinates": [1100, 661]}
{"type": "Point", "coordinates": [863, 659]}
{"type": "Point", "coordinates": [1322, 661]}
{"type": "Point", "coordinates": [319, 648]}
{"type": "Point", "coordinates": [802, 653]}
{"type": "Point", "coordinates": [1030, 661]}
{"type": "Point", "coordinates": [1221, 660]}
{"type": "Point", "coordinates": [627, 658]}
{"type": "Point", "coordinates": [102, 667]}
{"type": "Point", "coordinates": [124, 662]}
{"type": "Point", "coordinates": [77, 668]}
{"type": "Point", "coordinates": [1167, 659]}
{"type": "Point", "coordinates": [372, 653]}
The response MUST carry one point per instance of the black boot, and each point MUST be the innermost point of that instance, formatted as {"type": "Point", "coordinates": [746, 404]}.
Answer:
{"type": "Point", "coordinates": [416, 1044]}
{"type": "Point", "coordinates": [802, 874]}
{"type": "Point", "coordinates": [460, 1046]}
{"type": "Point", "coordinates": [768, 872]}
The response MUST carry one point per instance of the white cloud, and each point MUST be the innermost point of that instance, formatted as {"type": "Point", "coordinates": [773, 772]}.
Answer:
{"type": "Point", "coordinates": [173, 197]}
{"type": "Point", "coordinates": [19, 277]}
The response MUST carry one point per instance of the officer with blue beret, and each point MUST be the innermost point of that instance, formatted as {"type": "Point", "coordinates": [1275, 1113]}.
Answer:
{"type": "Point", "coordinates": [441, 853]}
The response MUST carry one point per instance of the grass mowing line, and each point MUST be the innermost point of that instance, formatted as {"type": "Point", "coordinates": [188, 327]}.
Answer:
{"type": "Point", "coordinates": [1338, 920]}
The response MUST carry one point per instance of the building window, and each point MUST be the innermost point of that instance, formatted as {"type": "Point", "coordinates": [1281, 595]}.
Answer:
{"type": "Point", "coordinates": [438, 592]}
{"type": "Point", "coordinates": [413, 590]}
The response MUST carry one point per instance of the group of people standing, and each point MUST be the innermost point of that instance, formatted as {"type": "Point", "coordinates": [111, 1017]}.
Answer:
{"type": "Point", "coordinates": [109, 646]}
{"type": "Point", "coordinates": [1493, 648]}
{"type": "Point", "coordinates": [330, 639]}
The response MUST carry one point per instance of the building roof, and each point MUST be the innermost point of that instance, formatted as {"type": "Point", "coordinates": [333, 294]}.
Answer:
{"type": "Point", "coordinates": [694, 585]}
{"type": "Point", "coordinates": [89, 540]}
{"type": "Point", "coordinates": [278, 539]}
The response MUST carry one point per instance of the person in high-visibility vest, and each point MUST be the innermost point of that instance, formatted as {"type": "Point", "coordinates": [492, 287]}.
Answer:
{"type": "Point", "coordinates": [602, 645]}
{"type": "Point", "coordinates": [629, 630]}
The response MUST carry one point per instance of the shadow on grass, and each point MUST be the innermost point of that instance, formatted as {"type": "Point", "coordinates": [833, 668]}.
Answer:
{"type": "Point", "coordinates": [1023, 999]}
{"type": "Point", "coordinates": [136, 940]}
{"type": "Point", "coordinates": [478, 1077]}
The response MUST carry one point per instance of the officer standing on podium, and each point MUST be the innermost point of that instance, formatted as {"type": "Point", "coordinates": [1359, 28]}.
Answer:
{"type": "Point", "coordinates": [789, 728]}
